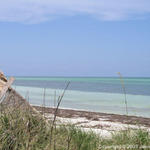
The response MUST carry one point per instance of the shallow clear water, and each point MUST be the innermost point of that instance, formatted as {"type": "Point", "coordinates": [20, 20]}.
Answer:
{"type": "Point", "coordinates": [93, 94]}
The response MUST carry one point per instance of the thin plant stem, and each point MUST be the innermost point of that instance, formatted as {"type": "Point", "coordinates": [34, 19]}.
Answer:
{"type": "Point", "coordinates": [54, 99]}
{"type": "Point", "coordinates": [43, 108]}
{"type": "Point", "coordinates": [56, 111]}
{"type": "Point", "coordinates": [124, 91]}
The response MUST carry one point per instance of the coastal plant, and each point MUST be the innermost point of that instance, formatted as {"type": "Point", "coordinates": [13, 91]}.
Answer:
{"type": "Point", "coordinates": [142, 137]}
{"type": "Point", "coordinates": [74, 138]}
{"type": "Point", "coordinates": [24, 130]}
{"type": "Point", "coordinates": [124, 91]}
{"type": "Point", "coordinates": [43, 108]}
{"type": "Point", "coordinates": [55, 114]}
{"type": "Point", "coordinates": [130, 139]}
{"type": "Point", "coordinates": [84, 140]}
{"type": "Point", "coordinates": [21, 130]}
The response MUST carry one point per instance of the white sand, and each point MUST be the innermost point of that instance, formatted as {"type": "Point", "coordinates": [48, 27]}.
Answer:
{"type": "Point", "coordinates": [100, 127]}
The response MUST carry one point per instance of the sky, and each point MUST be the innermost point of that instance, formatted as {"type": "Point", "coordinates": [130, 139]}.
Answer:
{"type": "Point", "coordinates": [75, 37]}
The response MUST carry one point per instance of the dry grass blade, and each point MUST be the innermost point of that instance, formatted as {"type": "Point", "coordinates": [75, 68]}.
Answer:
{"type": "Point", "coordinates": [56, 110]}
{"type": "Point", "coordinates": [124, 91]}
{"type": "Point", "coordinates": [43, 108]}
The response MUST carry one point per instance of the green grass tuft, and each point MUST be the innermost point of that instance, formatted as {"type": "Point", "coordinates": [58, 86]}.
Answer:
{"type": "Point", "coordinates": [23, 130]}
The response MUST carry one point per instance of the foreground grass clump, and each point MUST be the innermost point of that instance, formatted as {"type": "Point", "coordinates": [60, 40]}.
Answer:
{"type": "Point", "coordinates": [129, 139]}
{"type": "Point", "coordinates": [23, 130]}
{"type": "Point", "coordinates": [76, 139]}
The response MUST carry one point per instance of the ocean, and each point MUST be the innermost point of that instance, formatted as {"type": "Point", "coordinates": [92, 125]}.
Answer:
{"type": "Point", "coordinates": [99, 94]}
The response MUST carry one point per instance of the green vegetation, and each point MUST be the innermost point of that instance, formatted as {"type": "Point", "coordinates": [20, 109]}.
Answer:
{"type": "Point", "coordinates": [22, 130]}
{"type": "Point", "coordinates": [131, 139]}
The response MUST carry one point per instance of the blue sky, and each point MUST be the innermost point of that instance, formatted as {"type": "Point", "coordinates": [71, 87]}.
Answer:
{"type": "Point", "coordinates": [75, 38]}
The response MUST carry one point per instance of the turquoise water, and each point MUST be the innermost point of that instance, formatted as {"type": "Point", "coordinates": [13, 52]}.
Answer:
{"type": "Point", "coordinates": [92, 94]}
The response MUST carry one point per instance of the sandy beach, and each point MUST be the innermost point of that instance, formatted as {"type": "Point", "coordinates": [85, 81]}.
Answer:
{"type": "Point", "coordinates": [101, 123]}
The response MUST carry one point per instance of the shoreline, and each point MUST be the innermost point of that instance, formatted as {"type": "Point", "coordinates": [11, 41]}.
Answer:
{"type": "Point", "coordinates": [96, 116]}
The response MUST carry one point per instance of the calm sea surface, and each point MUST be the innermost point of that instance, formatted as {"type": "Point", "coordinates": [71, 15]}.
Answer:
{"type": "Point", "coordinates": [93, 94]}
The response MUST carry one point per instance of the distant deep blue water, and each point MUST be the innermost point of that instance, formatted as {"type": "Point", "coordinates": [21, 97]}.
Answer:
{"type": "Point", "coordinates": [100, 94]}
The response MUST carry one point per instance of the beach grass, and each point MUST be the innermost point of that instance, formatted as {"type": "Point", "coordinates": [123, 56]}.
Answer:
{"type": "Point", "coordinates": [23, 130]}
{"type": "Point", "coordinates": [129, 139]}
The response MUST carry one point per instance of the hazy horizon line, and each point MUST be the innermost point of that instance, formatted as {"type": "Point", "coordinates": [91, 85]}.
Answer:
{"type": "Point", "coordinates": [36, 76]}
